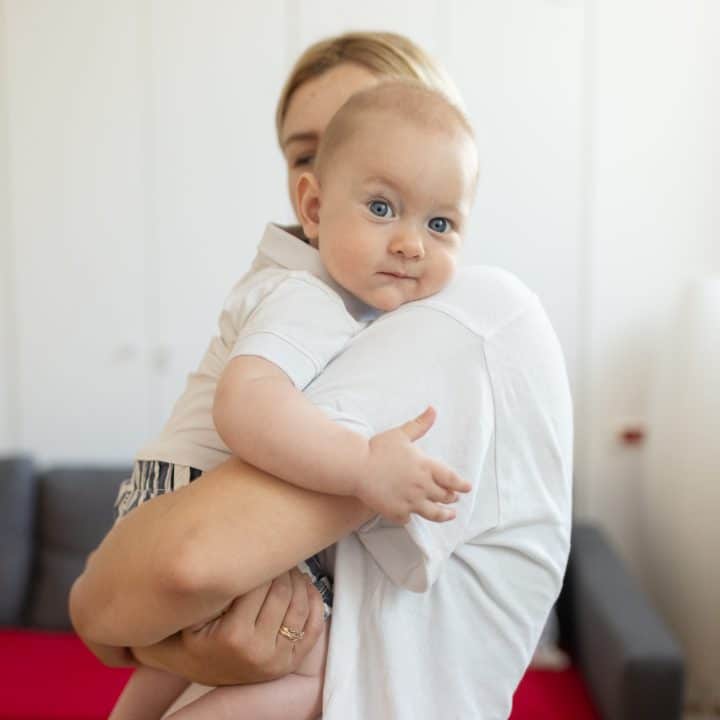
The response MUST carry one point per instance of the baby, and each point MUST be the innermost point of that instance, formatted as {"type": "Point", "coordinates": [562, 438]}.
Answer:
{"type": "Point", "coordinates": [382, 217]}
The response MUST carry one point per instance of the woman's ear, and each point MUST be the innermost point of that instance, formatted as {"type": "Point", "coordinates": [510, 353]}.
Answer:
{"type": "Point", "coordinates": [307, 196]}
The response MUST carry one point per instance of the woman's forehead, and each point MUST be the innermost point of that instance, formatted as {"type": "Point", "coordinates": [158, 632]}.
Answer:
{"type": "Point", "coordinates": [315, 102]}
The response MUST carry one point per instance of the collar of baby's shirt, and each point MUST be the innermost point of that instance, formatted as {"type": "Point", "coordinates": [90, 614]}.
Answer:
{"type": "Point", "coordinates": [287, 246]}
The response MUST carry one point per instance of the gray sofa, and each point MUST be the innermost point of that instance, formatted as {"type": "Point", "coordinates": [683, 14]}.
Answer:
{"type": "Point", "coordinates": [50, 520]}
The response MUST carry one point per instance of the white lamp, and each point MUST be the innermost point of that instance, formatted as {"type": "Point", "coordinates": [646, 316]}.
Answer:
{"type": "Point", "coordinates": [682, 488]}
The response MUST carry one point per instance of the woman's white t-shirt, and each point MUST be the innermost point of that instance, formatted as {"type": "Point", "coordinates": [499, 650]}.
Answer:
{"type": "Point", "coordinates": [439, 620]}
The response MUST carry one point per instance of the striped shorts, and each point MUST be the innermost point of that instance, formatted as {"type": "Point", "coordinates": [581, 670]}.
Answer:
{"type": "Point", "coordinates": [151, 478]}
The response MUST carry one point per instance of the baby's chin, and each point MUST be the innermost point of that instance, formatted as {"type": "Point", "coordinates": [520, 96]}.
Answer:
{"type": "Point", "coordinates": [387, 301]}
{"type": "Point", "coordinates": [388, 306]}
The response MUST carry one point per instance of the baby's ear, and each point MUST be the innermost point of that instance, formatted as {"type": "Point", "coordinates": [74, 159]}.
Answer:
{"type": "Point", "coordinates": [307, 195]}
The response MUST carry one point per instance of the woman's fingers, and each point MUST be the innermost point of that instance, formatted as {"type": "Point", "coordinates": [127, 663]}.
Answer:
{"type": "Point", "coordinates": [244, 645]}
{"type": "Point", "coordinates": [313, 624]}
{"type": "Point", "coordinates": [298, 609]}
{"type": "Point", "coordinates": [303, 612]}
{"type": "Point", "coordinates": [246, 608]}
{"type": "Point", "coordinates": [275, 605]}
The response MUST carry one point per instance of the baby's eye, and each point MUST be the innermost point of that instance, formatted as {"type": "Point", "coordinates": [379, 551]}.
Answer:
{"type": "Point", "coordinates": [303, 160]}
{"type": "Point", "coordinates": [380, 208]}
{"type": "Point", "coordinates": [439, 224]}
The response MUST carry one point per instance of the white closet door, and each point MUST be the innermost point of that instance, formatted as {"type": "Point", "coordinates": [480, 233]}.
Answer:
{"type": "Point", "coordinates": [74, 96]}
{"type": "Point", "coordinates": [8, 404]}
{"type": "Point", "coordinates": [519, 65]}
{"type": "Point", "coordinates": [218, 175]}
{"type": "Point", "coordinates": [424, 21]}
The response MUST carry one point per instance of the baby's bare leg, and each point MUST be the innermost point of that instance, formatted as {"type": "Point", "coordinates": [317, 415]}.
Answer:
{"type": "Point", "coordinates": [297, 696]}
{"type": "Point", "coordinates": [147, 695]}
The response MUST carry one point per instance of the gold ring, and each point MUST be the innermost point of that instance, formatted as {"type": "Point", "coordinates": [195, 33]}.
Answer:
{"type": "Point", "coordinates": [290, 634]}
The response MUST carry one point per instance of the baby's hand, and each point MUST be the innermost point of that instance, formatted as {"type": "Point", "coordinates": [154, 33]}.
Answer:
{"type": "Point", "coordinates": [399, 479]}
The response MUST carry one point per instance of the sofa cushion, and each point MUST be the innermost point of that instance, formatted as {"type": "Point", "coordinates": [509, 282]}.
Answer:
{"type": "Point", "coordinates": [17, 515]}
{"type": "Point", "coordinates": [75, 511]}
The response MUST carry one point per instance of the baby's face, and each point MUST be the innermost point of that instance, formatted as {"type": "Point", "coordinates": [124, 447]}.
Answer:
{"type": "Point", "coordinates": [393, 204]}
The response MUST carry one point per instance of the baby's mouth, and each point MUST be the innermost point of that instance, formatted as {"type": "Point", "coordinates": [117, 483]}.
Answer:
{"type": "Point", "coordinates": [399, 275]}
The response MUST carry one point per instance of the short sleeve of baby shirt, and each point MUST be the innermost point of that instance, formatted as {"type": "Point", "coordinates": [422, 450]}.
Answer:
{"type": "Point", "coordinates": [300, 325]}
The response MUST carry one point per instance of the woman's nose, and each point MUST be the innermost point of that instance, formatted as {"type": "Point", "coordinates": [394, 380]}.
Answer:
{"type": "Point", "coordinates": [409, 244]}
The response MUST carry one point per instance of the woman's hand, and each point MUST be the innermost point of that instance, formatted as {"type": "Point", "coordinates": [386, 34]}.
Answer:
{"type": "Point", "coordinates": [166, 565]}
{"type": "Point", "coordinates": [243, 645]}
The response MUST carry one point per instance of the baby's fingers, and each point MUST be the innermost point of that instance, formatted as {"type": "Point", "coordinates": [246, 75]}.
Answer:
{"type": "Point", "coordinates": [437, 513]}
{"type": "Point", "coordinates": [439, 494]}
{"type": "Point", "coordinates": [446, 478]}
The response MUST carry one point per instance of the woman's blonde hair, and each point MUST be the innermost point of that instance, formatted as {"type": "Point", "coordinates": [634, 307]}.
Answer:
{"type": "Point", "coordinates": [382, 53]}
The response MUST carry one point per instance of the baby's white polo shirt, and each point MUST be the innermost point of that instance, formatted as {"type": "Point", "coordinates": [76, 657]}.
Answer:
{"type": "Point", "coordinates": [437, 620]}
{"type": "Point", "coordinates": [287, 310]}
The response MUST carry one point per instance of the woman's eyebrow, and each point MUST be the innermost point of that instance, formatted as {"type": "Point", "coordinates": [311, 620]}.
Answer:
{"type": "Point", "coordinates": [300, 137]}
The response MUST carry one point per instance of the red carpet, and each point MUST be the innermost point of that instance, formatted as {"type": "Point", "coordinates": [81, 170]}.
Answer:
{"type": "Point", "coordinates": [551, 695]}
{"type": "Point", "coordinates": [52, 676]}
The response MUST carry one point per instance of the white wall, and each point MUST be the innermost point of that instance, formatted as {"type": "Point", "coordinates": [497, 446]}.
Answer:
{"type": "Point", "coordinates": [139, 185]}
{"type": "Point", "coordinates": [216, 175]}
{"type": "Point", "coordinates": [77, 194]}
{"type": "Point", "coordinates": [8, 405]}
{"type": "Point", "coordinates": [653, 227]}
{"type": "Point", "coordinates": [653, 223]}
{"type": "Point", "coordinates": [143, 166]}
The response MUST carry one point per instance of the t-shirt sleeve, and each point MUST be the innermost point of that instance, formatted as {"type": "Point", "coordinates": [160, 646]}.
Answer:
{"type": "Point", "coordinates": [507, 429]}
{"type": "Point", "coordinates": [413, 556]}
{"type": "Point", "coordinates": [300, 326]}
{"type": "Point", "coordinates": [390, 376]}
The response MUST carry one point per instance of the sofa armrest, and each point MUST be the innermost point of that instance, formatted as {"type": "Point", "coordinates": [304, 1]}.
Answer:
{"type": "Point", "coordinates": [632, 665]}
{"type": "Point", "coordinates": [18, 493]}
{"type": "Point", "coordinates": [74, 512]}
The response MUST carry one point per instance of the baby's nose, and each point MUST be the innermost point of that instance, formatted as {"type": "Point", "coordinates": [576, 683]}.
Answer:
{"type": "Point", "coordinates": [409, 244]}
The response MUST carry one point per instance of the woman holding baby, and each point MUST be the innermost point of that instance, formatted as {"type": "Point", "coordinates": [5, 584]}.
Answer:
{"type": "Point", "coordinates": [430, 618]}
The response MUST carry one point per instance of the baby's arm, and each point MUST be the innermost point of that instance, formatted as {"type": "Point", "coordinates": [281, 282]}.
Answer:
{"type": "Point", "coordinates": [147, 695]}
{"type": "Point", "coordinates": [266, 421]}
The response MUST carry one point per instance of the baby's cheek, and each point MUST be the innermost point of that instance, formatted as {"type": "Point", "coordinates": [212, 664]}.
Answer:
{"type": "Point", "coordinates": [387, 299]}
{"type": "Point", "coordinates": [446, 271]}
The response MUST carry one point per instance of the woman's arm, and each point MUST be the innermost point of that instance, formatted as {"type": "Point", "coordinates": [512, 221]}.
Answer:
{"type": "Point", "coordinates": [242, 645]}
{"type": "Point", "coordinates": [165, 567]}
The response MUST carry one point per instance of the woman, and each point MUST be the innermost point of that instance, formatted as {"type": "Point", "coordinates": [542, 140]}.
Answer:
{"type": "Point", "coordinates": [483, 353]}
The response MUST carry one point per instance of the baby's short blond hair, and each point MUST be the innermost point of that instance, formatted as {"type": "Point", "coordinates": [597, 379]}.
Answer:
{"type": "Point", "coordinates": [410, 101]}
